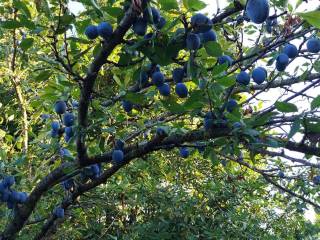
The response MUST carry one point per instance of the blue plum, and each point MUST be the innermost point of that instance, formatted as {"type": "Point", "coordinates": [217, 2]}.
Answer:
{"type": "Point", "coordinates": [117, 156]}
{"type": "Point", "coordinates": [8, 181]}
{"type": "Point", "coordinates": [164, 90]}
{"type": "Point", "coordinates": [243, 78]}
{"type": "Point", "coordinates": [161, 23]}
{"type": "Point", "coordinates": [209, 36]}
{"type": "Point", "coordinates": [143, 78]}
{"type": "Point", "coordinates": [127, 106]}
{"type": "Point", "coordinates": [158, 79]}
{"type": "Point", "coordinates": [231, 105]}
{"type": "Point", "coordinates": [68, 131]}
{"type": "Point", "coordinates": [282, 62]}
{"type": "Point", "coordinates": [91, 32]}
{"type": "Point", "coordinates": [316, 180]}
{"type": "Point", "coordinates": [68, 119]}
{"type": "Point", "coordinates": [140, 27]}
{"type": "Point", "coordinates": [60, 107]}
{"type": "Point", "coordinates": [184, 152]}
{"type": "Point", "coordinates": [193, 41]}
{"type": "Point", "coordinates": [259, 75]}
{"type": "Point", "coordinates": [119, 145]}
{"type": "Point", "coordinates": [105, 30]}
{"type": "Point", "coordinates": [201, 23]}
{"type": "Point", "coordinates": [55, 125]}
{"type": "Point", "coordinates": [181, 90]}
{"type": "Point", "coordinates": [225, 59]}
{"type": "Point", "coordinates": [291, 50]}
{"type": "Point", "coordinates": [59, 212]}
{"type": "Point", "coordinates": [155, 15]}
{"type": "Point", "coordinates": [257, 10]}
{"type": "Point", "coordinates": [313, 45]}
{"type": "Point", "coordinates": [178, 75]}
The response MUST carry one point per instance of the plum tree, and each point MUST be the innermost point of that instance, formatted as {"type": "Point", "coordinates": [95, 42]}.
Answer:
{"type": "Point", "coordinates": [243, 139]}
{"type": "Point", "coordinates": [105, 30]}
{"type": "Point", "coordinates": [259, 75]}
{"type": "Point", "coordinates": [181, 90]}
{"type": "Point", "coordinates": [291, 50]}
{"type": "Point", "coordinates": [243, 78]}
{"type": "Point", "coordinates": [91, 32]}
{"type": "Point", "coordinates": [313, 45]}
{"type": "Point", "coordinates": [257, 10]}
{"type": "Point", "coordinates": [60, 107]}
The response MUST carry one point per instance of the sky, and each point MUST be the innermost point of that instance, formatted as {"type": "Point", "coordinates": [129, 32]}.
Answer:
{"type": "Point", "coordinates": [211, 9]}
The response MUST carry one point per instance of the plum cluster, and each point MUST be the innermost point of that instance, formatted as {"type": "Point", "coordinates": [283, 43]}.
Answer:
{"type": "Point", "coordinates": [259, 75]}
{"type": "Point", "coordinates": [10, 196]}
{"type": "Point", "coordinates": [68, 120]}
{"type": "Point", "coordinates": [150, 15]}
{"type": "Point", "coordinates": [201, 32]}
{"type": "Point", "coordinates": [104, 30]}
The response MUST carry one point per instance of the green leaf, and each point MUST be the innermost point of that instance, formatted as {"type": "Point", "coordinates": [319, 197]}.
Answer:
{"type": "Point", "coordinates": [195, 101]}
{"type": "Point", "coordinates": [226, 81]}
{"type": "Point", "coordinates": [22, 7]}
{"type": "Point", "coordinates": [260, 120]}
{"type": "Point", "coordinates": [316, 66]}
{"type": "Point", "coordinates": [194, 5]}
{"type": "Point", "coordinates": [168, 4]}
{"type": "Point", "coordinates": [219, 69]}
{"type": "Point", "coordinates": [311, 17]}
{"type": "Point", "coordinates": [213, 49]}
{"type": "Point", "coordinates": [136, 98]}
{"type": "Point", "coordinates": [43, 76]}
{"type": "Point", "coordinates": [11, 24]}
{"type": "Point", "coordinates": [172, 105]}
{"type": "Point", "coordinates": [286, 107]}
{"type": "Point", "coordinates": [315, 103]}
{"type": "Point", "coordinates": [26, 43]}
{"type": "Point", "coordinates": [295, 127]}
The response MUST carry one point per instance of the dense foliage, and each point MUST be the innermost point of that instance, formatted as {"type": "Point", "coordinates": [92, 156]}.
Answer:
{"type": "Point", "coordinates": [150, 120]}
